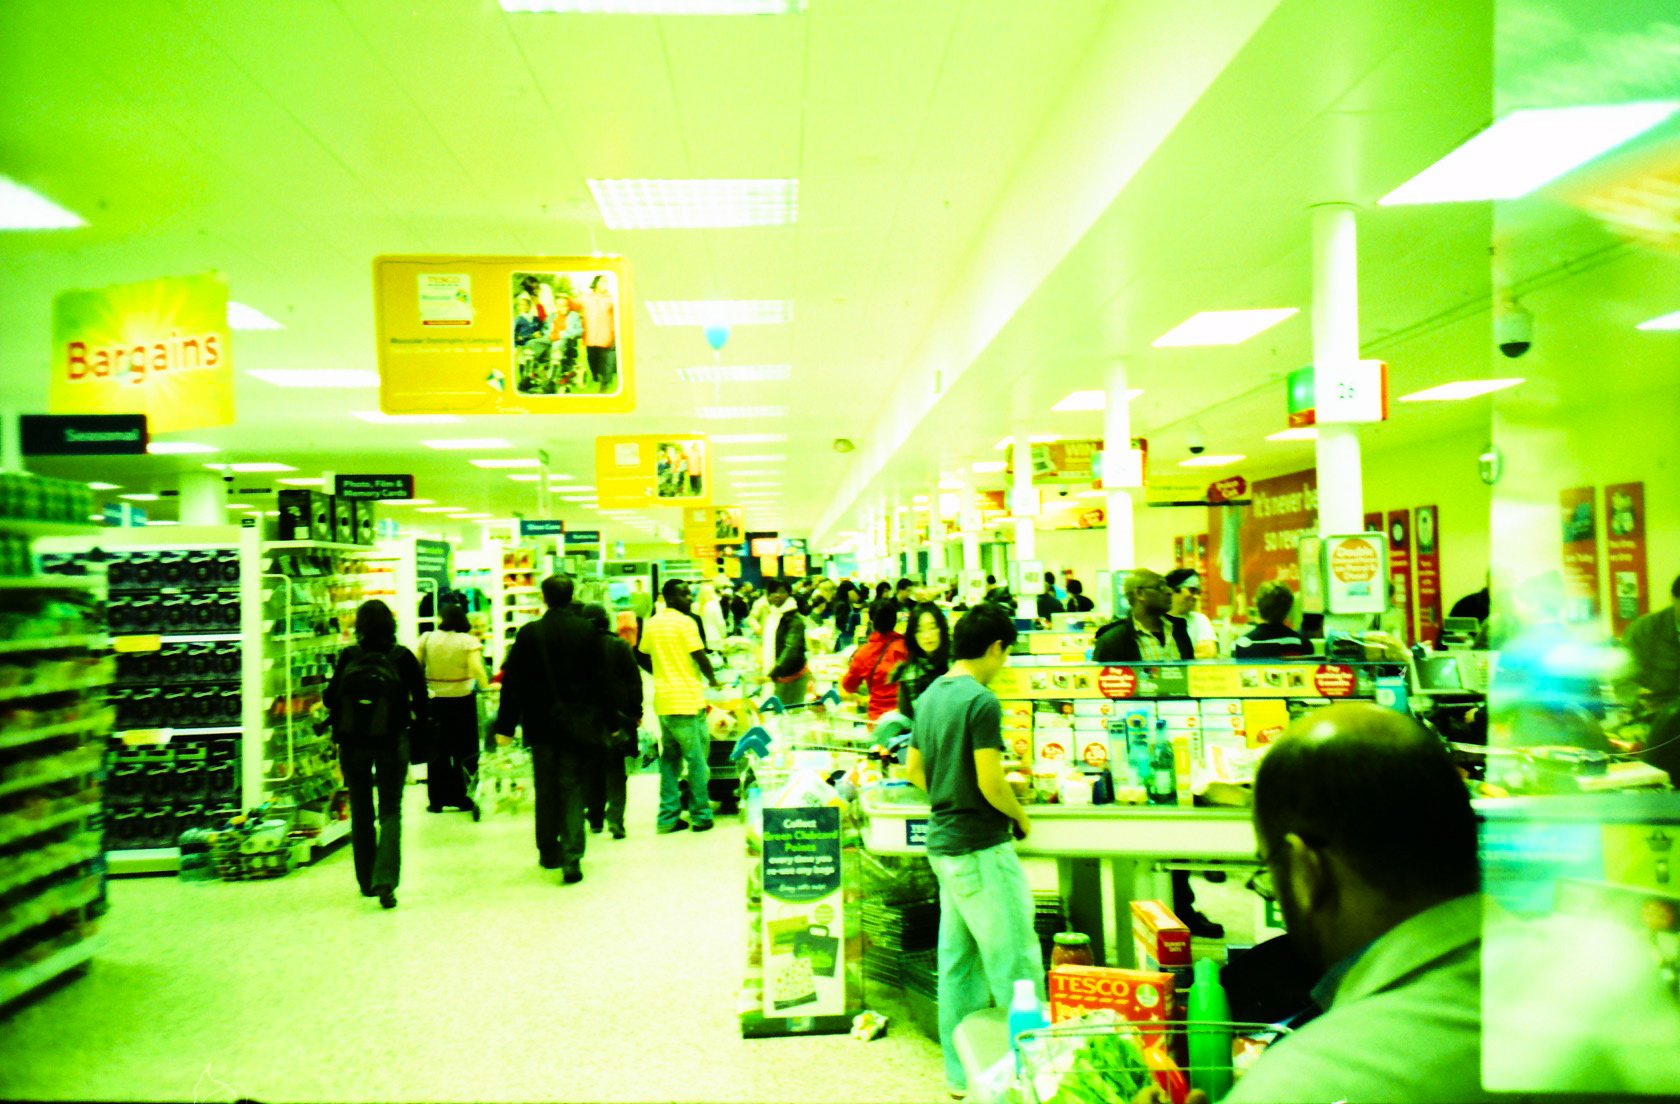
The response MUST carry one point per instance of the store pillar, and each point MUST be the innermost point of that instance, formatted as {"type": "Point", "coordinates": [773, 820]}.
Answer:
{"type": "Point", "coordinates": [1117, 443]}
{"type": "Point", "coordinates": [969, 519]}
{"type": "Point", "coordinates": [203, 498]}
{"type": "Point", "coordinates": [1024, 506]}
{"type": "Point", "coordinates": [1335, 332]}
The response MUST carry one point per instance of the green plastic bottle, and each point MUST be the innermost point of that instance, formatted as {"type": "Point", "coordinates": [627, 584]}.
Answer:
{"type": "Point", "coordinates": [1210, 1046]}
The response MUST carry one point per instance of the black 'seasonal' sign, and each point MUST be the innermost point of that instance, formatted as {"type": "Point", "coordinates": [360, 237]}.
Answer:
{"type": "Point", "coordinates": [83, 434]}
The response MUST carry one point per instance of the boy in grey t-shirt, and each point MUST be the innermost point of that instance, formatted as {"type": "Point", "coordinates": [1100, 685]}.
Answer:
{"type": "Point", "coordinates": [986, 937]}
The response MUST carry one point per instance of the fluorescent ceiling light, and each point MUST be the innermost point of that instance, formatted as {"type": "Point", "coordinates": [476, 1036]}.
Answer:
{"type": "Point", "coordinates": [242, 317]}
{"type": "Point", "coordinates": [178, 448]}
{"type": "Point", "coordinates": [405, 502]}
{"type": "Point", "coordinates": [950, 485]}
{"type": "Point", "coordinates": [695, 204]}
{"type": "Point", "coordinates": [981, 467]}
{"type": "Point", "coordinates": [759, 483]}
{"type": "Point", "coordinates": [139, 497]}
{"type": "Point", "coordinates": [657, 7]}
{"type": "Point", "coordinates": [735, 373]}
{"type": "Point", "coordinates": [1211, 460]}
{"type": "Point", "coordinates": [163, 522]}
{"type": "Point", "coordinates": [720, 312]}
{"type": "Point", "coordinates": [1666, 322]}
{"type": "Point", "coordinates": [252, 468]}
{"type": "Point", "coordinates": [1232, 327]}
{"type": "Point", "coordinates": [531, 462]}
{"type": "Point", "coordinates": [316, 377]}
{"type": "Point", "coordinates": [1299, 433]}
{"type": "Point", "coordinates": [239, 506]}
{"type": "Point", "coordinates": [1528, 149]}
{"type": "Point", "coordinates": [474, 517]}
{"type": "Point", "coordinates": [767, 458]}
{"type": "Point", "coordinates": [525, 477]}
{"type": "Point", "coordinates": [716, 413]}
{"type": "Point", "coordinates": [473, 443]}
{"type": "Point", "coordinates": [1463, 389]}
{"type": "Point", "coordinates": [1091, 494]}
{"type": "Point", "coordinates": [753, 471]}
{"type": "Point", "coordinates": [317, 481]}
{"type": "Point", "coordinates": [920, 500]}
{"type": "Point", "coordinates": [22, 209]}
{"type": "Point", "coordinates": [441, 509]}
{"type": "Point", "coordinates": [557, 477]}
{"type": "Point", "coordinates": [748, 439]}
{"type": "Point", "coordinates": [1089, 400]}
{"type": "Point", "coordinates": [98, 486]}
{"type": "Point", "coordinates": [378, 417]}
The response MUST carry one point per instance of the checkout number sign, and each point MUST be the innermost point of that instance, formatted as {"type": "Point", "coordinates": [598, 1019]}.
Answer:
{"type": "Point", "coordinates": [804, 913]}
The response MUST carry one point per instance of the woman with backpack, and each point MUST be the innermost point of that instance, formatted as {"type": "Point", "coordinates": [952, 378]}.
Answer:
{"type": "Point", "coordinates": [453, 660]}
{"type": "Point", "coordinates": [377, 703]}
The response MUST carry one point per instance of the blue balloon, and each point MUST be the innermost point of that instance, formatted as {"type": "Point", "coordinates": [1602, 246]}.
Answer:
{"type": "Point", "coordinates": [716, 336]}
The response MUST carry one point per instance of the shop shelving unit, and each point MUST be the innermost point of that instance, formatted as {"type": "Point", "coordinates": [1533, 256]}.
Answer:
{"type": "Point", "coordinates": [53, 725]}
{"type": "Point", "coordinates": [310, 591]}
{"type": "Point", "coordinates": [180, 609]}
{"type": "Point", "coordinates": [518, 596]}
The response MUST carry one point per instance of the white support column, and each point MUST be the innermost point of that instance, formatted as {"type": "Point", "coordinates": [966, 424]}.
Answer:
{"type": "Point", "coordinates": [203, 498]}
{"type": "Point", "coordinates": [936, 531]}
{"type": "Point", "coordinates": [969, 519]}
{"type": "Point", "coordinates": [1117, 443]}
{"type": "Point", "coordinates": [1026, 531]}
{"type": "Point", "coordinates": [1335, 330]}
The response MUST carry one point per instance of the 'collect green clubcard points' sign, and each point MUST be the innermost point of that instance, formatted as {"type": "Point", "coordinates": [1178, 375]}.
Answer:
{"type": "Point", "coordinates": [804, 913]}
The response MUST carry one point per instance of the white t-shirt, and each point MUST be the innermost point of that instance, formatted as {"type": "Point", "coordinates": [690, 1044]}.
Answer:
{"type": "Point", "coordinates": [1201, 629]}
{"type": "Point", "coordinates": [448, 661]}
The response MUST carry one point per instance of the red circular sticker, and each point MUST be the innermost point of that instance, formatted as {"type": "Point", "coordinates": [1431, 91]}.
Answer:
{"type": "Point", "coordinates": [1354, 560]}
{"type": "Point", "coordinates": [1117, 682]}
{"type": "Point", "coordinates": [1334, 680]}
{"type": "Point", "coordinates": [1096, 754]}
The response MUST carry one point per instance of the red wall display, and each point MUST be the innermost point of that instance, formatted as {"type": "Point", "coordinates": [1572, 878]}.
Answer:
{"type": "Point", "coordinates": [1577, 506]}
{"type": "Point", "coordinates": [1178, 551]}
{"type": "Point", "coordinates": [1624, 544]}
{"type": "Point", "coordinates": [1374, 521]}
{"type": "Point", "coordinates": [1400, 568]}
{"type": "Point", "coordinates": [1426, 531]}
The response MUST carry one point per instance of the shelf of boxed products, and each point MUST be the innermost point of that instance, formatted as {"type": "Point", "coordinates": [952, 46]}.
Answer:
{"type": "Point", "coordinates": [299, 767]}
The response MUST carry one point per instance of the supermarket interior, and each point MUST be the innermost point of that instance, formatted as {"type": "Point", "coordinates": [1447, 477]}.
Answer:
{"type": "Point", "coordinates": [840, 550]}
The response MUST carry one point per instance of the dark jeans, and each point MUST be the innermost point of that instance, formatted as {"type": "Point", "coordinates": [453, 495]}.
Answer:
{"type": "Point", "coordinates": [603, 365]}
{"type": "Point", "coordinates": [454, 761]}
{"type": "Point", "coordinates": [377, 846]}
{"type": "Point", "coordinates": [608, 782]}
{"type": "Point", "coordinates": [560, 775]}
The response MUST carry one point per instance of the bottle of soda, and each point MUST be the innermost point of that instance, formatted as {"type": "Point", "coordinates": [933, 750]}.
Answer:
{"type": "Point", "coordinates": [1162, 782]}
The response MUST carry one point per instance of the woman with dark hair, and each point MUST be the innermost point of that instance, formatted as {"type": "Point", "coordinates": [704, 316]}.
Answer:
{"type": "Point", "coordinates": [1048, 602]}
{"type": "Point", "coordinates": [453, 660]}
{"type": "Point", "coordinates": [848, 612]}
{"type": "Point", "coordinates": [376, 700]}
{"type": "Point", "coordinates": [606, 779]}
{"type": "Point", "coordinates": [868, 681]}
{"type": "Point", "coordinates": [929, 644]}
{"type": "Point", "coordinates": [883, 589]}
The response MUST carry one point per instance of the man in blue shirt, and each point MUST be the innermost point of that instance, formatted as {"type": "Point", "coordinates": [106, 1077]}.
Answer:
{"type": "Point", "coordinates": [986, 936]}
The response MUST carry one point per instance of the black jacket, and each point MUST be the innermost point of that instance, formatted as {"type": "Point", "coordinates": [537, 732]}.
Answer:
{"type": "Point", "coordinates": [623, 679]}
{"type": "Point", "coordinates": [1049, 604]}
{"type": "Point", "coordinates": [572, 676]}
{"type": "Point", "coordinates": [914, 676]}
{"type": "Point", "coordinates": [1117, 641]}
{"type": "Point", "coordinates": [419, 710]}
{"type": "Point", "coordinates": [790, 645]}
{"type": "Point", "coordinates": [1078, 603]}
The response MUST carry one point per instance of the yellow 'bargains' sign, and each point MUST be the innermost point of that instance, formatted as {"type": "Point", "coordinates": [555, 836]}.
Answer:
{"type": "Point", "coordinates": [504, 335]}
{"type": "Point", "coordinates": [159, 348]}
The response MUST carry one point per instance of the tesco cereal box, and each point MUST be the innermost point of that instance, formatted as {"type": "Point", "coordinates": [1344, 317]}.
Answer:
{"type": "Point", "coordinates": [1137, 996]}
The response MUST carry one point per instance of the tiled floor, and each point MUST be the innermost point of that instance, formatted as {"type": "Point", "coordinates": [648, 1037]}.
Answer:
{"type": "Point", "coordinates": [489, 982]}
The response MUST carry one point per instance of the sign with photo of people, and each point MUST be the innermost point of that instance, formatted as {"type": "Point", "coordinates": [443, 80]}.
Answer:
{"type": "Point", "coordinates": [653, 469]}
{"type": "Point", "coordinates": [494, 335]}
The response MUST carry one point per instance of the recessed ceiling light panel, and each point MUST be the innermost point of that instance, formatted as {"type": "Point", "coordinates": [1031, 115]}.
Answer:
{"type": "Point", "coordinates": [242, 317]}
{"type": "Point", "coordinates": [1232, 327]}
{"type": "Point", "coordinates": [253, 467]}
{"type": "Point", "coordinates": [695, 204]}
{"type": "Point", "coordinates": [1463, 389]}
{"type": "Point", "coordinates": [1666, 322]}
{"type": "Point", "coordinates": [1211, 460]}
{"type": "Point", "coordinates": [1299, 433]}
{"type": "Point", "coordinates": [511, 462]}
{"type": "Point", "coordinates": [22, 209]}
{"type": "Point", "coordinates": [468, 443]}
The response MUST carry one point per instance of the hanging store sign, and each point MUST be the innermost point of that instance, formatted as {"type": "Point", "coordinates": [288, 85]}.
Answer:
{"type": "Point", "coordinates": [541, 527]}
{"type": "Point", "coordinates": [1428, 571]}
{"type": "Point", "coordinates": [1302, 411]}
{"type": "Point", "coordinates": [653, 469]}
{"type": "Point", "coordinates": [374, 487]}
{"type": "Point", "coordinates": [715, 525]}
{"type": "Point", "coordinates": [159, 348]}
{"type": "Point", "coordinates": [1350, 392]}
{"type": "Point", "coordinates": [574, 537]}
{"type": "Point", "coordinates": [82, 434]}
{"type": "Point", "coordinates": [499, 335]}
{"type": "Point", "coordinates": [432, 561]}
{"type": "Point", "coordinates": [1624, 511]}
{"type": "Point", "coordinates": [1230, 489]}
{"type": "Point", "coordinates": [1580, 553]}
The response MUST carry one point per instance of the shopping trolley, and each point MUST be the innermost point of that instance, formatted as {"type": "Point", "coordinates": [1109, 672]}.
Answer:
{"type": "Point", "coordinates": [504, 779]}
{"type": "Point", "coordinates": [1102, 1057]}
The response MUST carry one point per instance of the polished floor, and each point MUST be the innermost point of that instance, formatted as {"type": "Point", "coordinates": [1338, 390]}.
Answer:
{"type": "Point", "coordinates": [489, 982]}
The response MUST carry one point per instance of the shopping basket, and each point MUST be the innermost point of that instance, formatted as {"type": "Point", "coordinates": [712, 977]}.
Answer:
{"type": "Point", "coordinates": [1102, 1057]}
{"type": "Point", "coordinates": [504, 779]}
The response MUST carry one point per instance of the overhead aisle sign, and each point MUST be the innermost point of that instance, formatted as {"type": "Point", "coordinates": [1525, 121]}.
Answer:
{"type": "Point", "coordinates": [159, 348]}
{"type": "Point", "coordinates": [498, 335]}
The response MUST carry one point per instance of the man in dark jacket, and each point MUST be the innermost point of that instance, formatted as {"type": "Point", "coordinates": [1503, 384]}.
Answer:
{"type": "Point", "coordinates": [1150, 634]}
{"type": "Point", "coordinates": [784, 644]}
{"type": "Point", "coordinates": [557, 660]}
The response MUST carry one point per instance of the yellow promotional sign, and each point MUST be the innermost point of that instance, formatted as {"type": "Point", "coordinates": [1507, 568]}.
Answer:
{"type": "Point", "coordinates": [713, 525]}
{"type": "Point", "coordinates": [653, 469]}
{"type": "Point", "coordinates": [501, 335]}
{"type": "Point", "coordinates": [159, 348]}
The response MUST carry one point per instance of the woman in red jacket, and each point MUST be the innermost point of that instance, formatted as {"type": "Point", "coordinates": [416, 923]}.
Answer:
{"type": "Point", "coordinates": [875, 660]}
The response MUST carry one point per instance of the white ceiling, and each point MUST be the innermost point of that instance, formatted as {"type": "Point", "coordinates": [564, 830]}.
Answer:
{"type": "Point", "coordinates": [1007, 195]}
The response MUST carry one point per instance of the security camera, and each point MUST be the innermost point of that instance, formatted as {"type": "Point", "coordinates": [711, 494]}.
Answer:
{"type": "Point", "coordinates": [1062, 491]}
{"type": "Point", "coordinates": [1513, 331]}
{"type": "Point", "coordinates": [1196, 442]}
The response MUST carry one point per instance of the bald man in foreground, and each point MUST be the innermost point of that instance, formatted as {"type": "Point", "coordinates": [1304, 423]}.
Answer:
{"type": "Point", "coordinates": [1369, 845]}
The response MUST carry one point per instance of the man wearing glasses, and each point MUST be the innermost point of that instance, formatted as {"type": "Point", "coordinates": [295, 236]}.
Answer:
{"type": "Point", "coordinates": [1150, 634]}
{"type": "Point", "coordinates": [1187, 599]}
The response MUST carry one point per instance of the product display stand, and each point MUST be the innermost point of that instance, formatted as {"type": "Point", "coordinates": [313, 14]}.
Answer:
{"type": "Point", "coordinates": [178, 617]}
{"type": "Point", "coordinates": [53, 726]}
{"type": "Point", "coordinates": [518, 596]}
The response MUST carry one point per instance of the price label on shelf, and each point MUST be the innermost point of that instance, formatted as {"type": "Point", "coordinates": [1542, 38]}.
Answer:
{"type": "Point", "coordinates": [137, 736]}
{"type": "Point", "coordinates": [151, 643]}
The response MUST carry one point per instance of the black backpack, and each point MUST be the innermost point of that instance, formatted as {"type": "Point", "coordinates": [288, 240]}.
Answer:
{"type": "Point", "coordinates": [372, 701]}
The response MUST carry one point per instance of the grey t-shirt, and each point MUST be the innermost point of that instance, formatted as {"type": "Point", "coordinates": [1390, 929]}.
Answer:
{"type": "Point", "coordinates": [955, 717]}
